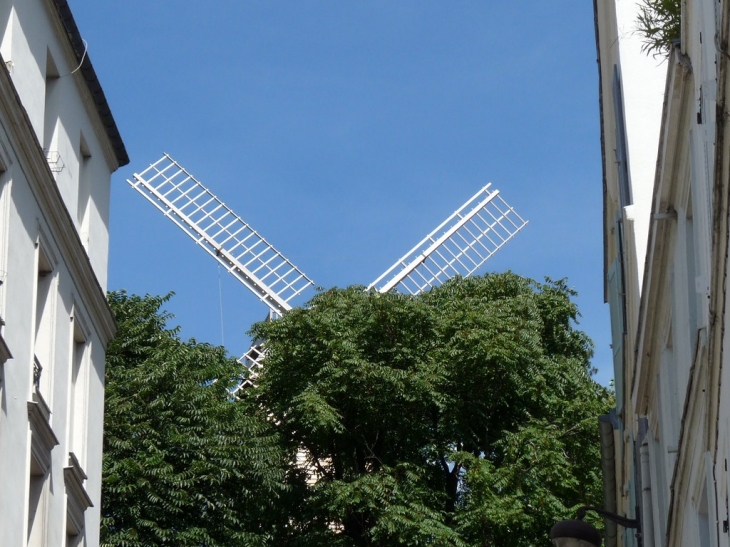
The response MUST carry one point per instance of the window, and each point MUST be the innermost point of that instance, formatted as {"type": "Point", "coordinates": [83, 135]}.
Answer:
{"type": "Point", "coordinates": [51, 115]}
{"type": "Point", "coordinates": [77, 502]}
{"type": "Point", "coordinates": [84, 194]}
{"type": "Point", "coordinates": [43, 440]}
{"type": "Point", "coordinates": [78, 388]}
{"type": "Point", "coordinates": [37, 501]}
{"type": "Point", "coordinates": [44, 311]}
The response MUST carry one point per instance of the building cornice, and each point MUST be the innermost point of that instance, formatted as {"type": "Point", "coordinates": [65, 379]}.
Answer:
{"type": "Point", "coordinates": [32, 162]}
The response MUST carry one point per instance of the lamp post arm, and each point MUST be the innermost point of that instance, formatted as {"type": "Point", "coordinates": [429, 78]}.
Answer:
{"type": "Point", "coordinates": [623, 521]}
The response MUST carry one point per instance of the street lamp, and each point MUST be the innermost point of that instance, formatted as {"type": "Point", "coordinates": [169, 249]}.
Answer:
{"type": "Point", "coordinates": [578, 533]}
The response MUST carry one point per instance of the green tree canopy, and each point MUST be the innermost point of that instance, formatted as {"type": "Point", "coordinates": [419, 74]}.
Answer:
{"type": "Point", "coordinates": [463, 417]}
{"type": "Point", "coordinates": [183, 464]}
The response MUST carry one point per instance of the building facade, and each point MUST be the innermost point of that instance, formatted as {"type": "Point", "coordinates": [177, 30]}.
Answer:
{"type": "Point", "coordinates": [59, 145]}
{"type": "Point", "coordinates": [665, 164]}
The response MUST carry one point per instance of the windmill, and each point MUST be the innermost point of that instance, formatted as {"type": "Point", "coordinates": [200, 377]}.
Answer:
{"type": "Point", "coordinates": [221, 233]}
{"type": "Point", "coordinates": [458, 246]}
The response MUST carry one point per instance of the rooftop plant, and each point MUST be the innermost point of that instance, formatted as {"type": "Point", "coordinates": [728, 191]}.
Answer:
{"type": "Point", "coordinates": [659, 23]}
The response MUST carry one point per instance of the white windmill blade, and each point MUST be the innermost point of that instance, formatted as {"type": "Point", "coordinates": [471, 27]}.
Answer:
{"type": "Point", "coordinates": [222, 233]}
{"type": "Point", "coordinates": [253, 360]}
{"type": "Point", "coordinates": [459, 246]}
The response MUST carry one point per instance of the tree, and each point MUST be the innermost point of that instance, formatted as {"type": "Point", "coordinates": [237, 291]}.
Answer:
{"type": "Point", "coordinates": [465, 416]}
{"type": "Point", "coordinates": [184, 464]}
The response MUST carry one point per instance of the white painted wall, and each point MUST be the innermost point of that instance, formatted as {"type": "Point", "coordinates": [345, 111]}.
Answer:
{"type": "Point", "coordinates": [39, 210]}
{"type": "Point", "coordinates": [644, 80]}
{"type": "Point", "coordinates": [675, 308]}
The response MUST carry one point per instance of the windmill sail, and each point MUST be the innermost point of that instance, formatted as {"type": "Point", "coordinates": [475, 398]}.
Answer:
{"type": "Point", "coordinates": [458, 246]}
{"type": "Point", "coordinates": [223, 234]}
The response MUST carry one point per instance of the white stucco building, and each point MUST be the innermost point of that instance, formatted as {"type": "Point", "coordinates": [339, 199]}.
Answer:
{"type": "Point", "coordinates": [59, 145]}
{"type": "Point", "coordinates": [666, 189]}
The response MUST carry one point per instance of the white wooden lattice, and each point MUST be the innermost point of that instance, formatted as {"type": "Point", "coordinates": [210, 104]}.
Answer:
{"type": "Point", "coordinates": [253, 360]}
{"type": "Point", "coordinates": [459, 246]}
{"type": "Point", "coordinates": [222, 233]}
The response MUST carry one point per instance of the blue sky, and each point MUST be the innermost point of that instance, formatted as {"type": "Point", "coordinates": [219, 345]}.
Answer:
{"type": "Point", "coordinates": [344, 131]}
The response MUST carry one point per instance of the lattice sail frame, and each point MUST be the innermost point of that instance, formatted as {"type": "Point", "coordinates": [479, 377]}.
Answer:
{"type": "Point", "coordinates": [458, 246]}
{"type": "Point", "coordinates": [253, 360]}
{"type": "Point", "coordinates": [223, 234]}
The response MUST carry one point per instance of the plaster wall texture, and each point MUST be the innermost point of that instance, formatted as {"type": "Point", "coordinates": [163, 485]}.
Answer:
{"type": "Point", "coordinates": [53, 265]}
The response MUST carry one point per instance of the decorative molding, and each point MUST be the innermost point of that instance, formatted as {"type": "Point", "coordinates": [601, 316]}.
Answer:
{"type": "Point", "coordinates": [43, 439]}
{"type": "Point", "coordinates": [79, 317]}
{"type": "Point", "coordinates": [4, 350]}
{"type": "Point", "coordinates": [50, 254]}
{"type": "Point", "coordinates": [78, 500]}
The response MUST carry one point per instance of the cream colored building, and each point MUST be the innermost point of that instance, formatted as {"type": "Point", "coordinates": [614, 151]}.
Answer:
{"type": "Point", "coordinates": [666, 185]}
{"type": "Point", "coordinates": [59, 145]}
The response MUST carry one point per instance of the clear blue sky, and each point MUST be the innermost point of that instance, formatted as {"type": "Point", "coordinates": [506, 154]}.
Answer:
{"type": "Point", "coordinates": [345, 130]}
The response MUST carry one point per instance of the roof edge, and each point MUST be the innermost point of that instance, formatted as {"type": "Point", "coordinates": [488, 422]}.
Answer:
{"type": "Point", "coordinates": [92, 81]}
{"type": "Point", "coordinates": [597, 30]}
